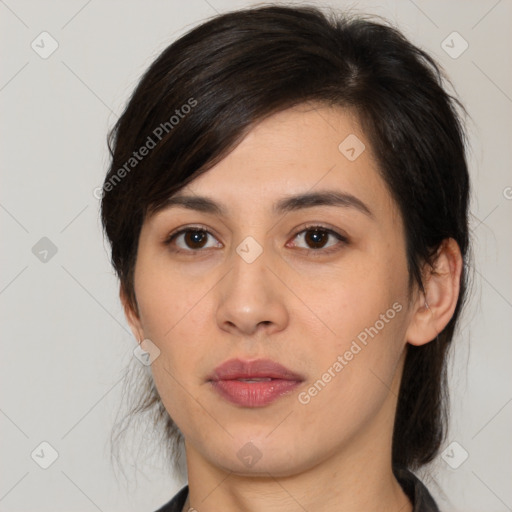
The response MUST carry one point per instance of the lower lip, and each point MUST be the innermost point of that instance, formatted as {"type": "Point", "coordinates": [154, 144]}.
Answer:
{"type": "Point", "coordinates": [254, 394]}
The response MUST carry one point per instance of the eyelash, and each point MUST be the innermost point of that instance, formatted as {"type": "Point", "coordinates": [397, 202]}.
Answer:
{"type": "Point", "coordinates": [312, 227]}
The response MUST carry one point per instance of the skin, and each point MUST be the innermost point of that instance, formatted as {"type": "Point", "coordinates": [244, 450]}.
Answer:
{"type": "Point", "coordinates": [303, 310]}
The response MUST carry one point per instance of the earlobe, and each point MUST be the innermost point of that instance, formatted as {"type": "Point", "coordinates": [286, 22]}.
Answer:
{"type": "Point", "coordinates": [434, 308]}
{"type": "Point", "coordinates": [131, 316]}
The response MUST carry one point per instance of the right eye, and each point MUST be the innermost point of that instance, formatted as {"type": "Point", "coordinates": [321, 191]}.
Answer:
{"type": "Point", "coordinates": [190, 239]}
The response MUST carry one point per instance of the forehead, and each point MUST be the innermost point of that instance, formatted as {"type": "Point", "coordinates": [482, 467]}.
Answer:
{"type": "Point", "coordinates": [297, 153]}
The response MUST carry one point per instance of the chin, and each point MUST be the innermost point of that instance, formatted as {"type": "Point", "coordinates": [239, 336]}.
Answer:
{"type": "Point", "coordinates": [259, 456]}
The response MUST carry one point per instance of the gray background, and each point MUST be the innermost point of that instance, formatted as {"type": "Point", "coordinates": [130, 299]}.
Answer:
{"type": "Point", "coordinates": [65, 342]}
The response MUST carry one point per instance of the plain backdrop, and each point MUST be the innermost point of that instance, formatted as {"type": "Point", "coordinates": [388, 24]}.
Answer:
{"type": "Point", "coordinates": [65, 342]}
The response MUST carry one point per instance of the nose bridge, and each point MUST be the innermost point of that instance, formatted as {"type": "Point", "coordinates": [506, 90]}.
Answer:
{"type": "Point", "coordinates": [249, 272]}
{"type": "Point", "coordinates": [250, 294]}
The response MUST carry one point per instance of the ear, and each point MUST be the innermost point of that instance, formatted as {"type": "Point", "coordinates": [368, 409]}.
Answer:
{"type": "Point", "coordinates": [433, 309]}
{"type": "Point", "coordinates": [131, 315]}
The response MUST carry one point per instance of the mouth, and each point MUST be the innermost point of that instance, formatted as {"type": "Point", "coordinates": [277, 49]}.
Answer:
{"type": "Point", "coordinates": [253, 383]}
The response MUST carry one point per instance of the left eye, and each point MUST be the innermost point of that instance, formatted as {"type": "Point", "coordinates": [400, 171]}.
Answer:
{"type": "Point", "coordinates": [317, 236]}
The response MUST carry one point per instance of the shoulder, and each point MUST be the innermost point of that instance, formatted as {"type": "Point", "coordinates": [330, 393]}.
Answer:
{"type": "Point", "coordinates": [177, 503]}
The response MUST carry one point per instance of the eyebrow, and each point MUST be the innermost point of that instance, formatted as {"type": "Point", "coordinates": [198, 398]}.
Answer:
{"type": "Point", "coordinates": [287, 204]}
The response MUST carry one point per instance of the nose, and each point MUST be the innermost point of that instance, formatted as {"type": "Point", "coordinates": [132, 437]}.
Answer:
{"type": "Point", "coordinates": [252, 297]}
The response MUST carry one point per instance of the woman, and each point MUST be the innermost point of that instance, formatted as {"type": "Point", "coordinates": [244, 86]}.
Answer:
{"type": "Point", "coordinates": [287, 209]}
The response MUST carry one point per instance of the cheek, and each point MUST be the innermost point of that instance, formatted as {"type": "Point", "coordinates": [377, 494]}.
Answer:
{"type": "Point", "coordinates": [177, 316]}
{"type": "Point", "coordinates": [353, 377]}
{"type": "Point", "coordinates": [368, 311]}
{"type": "Point", "coordinates": [173, 321]}
{"type": "Point", "coordinates": [168, 300]}
{"type": "Point", "coordinates": [370, 296]}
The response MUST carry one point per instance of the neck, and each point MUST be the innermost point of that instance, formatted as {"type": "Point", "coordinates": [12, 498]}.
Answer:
{"type": "Point", "coordinates": [326, 489]}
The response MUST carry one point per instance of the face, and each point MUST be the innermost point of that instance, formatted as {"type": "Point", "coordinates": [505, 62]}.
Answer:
{"type": "Point", "coordinates": [318, 286]}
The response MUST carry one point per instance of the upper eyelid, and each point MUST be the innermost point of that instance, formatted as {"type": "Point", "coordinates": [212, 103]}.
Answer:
{"type": "Point", "coordinates": [180, 231]}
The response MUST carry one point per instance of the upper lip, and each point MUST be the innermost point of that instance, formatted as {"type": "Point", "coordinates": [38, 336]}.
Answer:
{"type": "Point", "coordinates": [260, 368]}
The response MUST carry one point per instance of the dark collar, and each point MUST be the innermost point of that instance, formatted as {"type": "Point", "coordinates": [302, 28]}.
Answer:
{"type": "Point", "coordinates": [416, 491]}
{"type": "Point", "coordinates": [412, 486]}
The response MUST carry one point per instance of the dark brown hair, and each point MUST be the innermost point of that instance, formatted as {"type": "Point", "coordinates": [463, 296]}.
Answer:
{"type": "Point", "coordinates": [205, 91]}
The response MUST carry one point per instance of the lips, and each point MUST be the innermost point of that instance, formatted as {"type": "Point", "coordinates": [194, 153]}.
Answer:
{"type": "Point", "coordinates": [253, 383]}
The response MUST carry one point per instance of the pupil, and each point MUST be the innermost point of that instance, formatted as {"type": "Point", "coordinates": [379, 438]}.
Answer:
{"type": "Point", "coordinates": [196, 237]}
{"type": "Point", "coordinates": [317, 237]}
